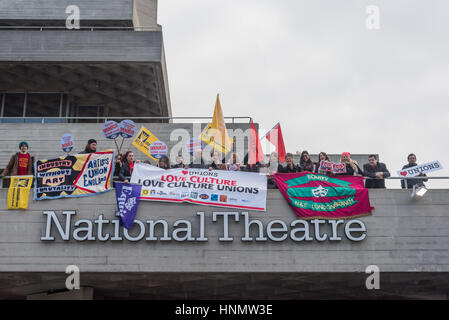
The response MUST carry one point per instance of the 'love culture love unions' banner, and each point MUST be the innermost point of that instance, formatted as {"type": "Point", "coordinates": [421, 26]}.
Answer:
{"type": "Point", "coordinates": [220, 188]}
{"type": "Point", "coordinates": [73, 176]}
{"type": "Point", "coordinates": [319, 196]}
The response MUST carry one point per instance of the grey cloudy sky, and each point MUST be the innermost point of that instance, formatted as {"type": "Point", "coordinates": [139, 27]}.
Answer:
{"type": "Point", "coordinates": [313, 66]}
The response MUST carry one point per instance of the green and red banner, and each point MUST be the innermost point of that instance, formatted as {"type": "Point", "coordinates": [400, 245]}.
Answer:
{"type": "Point", "coordinates": [320, 196]}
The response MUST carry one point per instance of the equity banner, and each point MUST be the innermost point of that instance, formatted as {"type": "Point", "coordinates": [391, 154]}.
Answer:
{"type": "Point", "coordinates": [319, 196]}
{"type": "Point", "coordinates": [220, 188]}
{"type": "Point", "coordinates": [128, 196]}
{"type": "Point", "coordinates": [73, 176]}
{"type": "Point", "coordinates": [19, 192]}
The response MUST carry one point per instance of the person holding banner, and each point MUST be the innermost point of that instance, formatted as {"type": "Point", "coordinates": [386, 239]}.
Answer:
{"type": "Point", "coordinates": [164, 163]}
{"type": "Point", "coordinates": [352, 167]}
{"type": "Point", "coordinates": [216, 161]}
{"type": "Point", "coordinates": [409, 183]}
{"type": "Point", "coordinates": [198, 162]}
{"type": "Point", "coordinates": [290, 167]}
{"type": "Point", "coordinates": [306, 163]}
{"type": "Point", "coordinates": [118, 164]}
{"type": "Point", "coordinates": [91, 147]}
{"type": "Point", "coordinates": [234, 165]}
{"type": "Point", "coordinates": [127, 167]}
{"type": "Point", "coordinates": [179, 163]}
{"type": "Point", "coordinates": [21, 163]}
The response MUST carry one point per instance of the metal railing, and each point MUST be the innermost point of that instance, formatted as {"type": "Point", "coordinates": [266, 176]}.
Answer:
{"type": "Point", "coordinates": [2, 178]}
{"type": "Point", "coordinates": [104, 119]}
{"type": "Point", "coordinates": [82, 28]}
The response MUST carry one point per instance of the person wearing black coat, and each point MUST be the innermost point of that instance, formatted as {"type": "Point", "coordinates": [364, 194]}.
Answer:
{"type": "Point", "coordinates": [409, 183]}
{"type": "Point", "coordinates": [290, 167]}
{"type": "Point", "coordinates": [127, 167]}
{"type": "Point", "coordinates": [377, 171]}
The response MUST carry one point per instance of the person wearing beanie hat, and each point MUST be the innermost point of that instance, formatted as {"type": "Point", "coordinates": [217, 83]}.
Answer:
{"type": "Point", "coordinates": [352, 167]}
{"type": "Point", "coordinates": [91, 147]}
{"type": "Point", "coordinates": [21, 163]}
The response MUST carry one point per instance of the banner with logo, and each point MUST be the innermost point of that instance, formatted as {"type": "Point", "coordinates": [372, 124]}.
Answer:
{"type": "Point", "coordinates": [111, 129]}
{"type": "Point", "coordinates": [128, 196]}
{"type": "Point", "coordinates": [74, 176]}
{"type": "Point", "coordinates": [19, 192]}
{"type": "Point", "coordinates": [144, 140]}
{"type": "Point", "coordinates": [422, 168]}
{"type": "Point", "coordinates": [230, 189]}
{"type": "Point", "coordinates": [319, 196]}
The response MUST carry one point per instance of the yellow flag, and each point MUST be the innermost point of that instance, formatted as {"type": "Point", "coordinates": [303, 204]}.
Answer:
{"type": "Point", "coordinates": [19, 192]}
{"type": "Point", "coordinates": [215, 134]}
{"type": "Point", "coordinates": [143, 141]}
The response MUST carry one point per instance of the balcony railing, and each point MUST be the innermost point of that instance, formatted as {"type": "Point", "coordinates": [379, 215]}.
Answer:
{"type": "Point", "coordinates": [104, 119]}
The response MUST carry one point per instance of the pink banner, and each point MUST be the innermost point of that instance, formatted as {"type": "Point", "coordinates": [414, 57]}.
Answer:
{"type": "Point", "coordinates": [319, 196]}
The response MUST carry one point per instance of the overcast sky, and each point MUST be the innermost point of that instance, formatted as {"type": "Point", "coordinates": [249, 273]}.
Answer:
{"type": "Point", "coordinates": [314, 66]}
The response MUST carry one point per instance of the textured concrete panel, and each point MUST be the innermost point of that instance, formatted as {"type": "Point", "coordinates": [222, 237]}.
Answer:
{"type": "Point", "coordinates": [80, 46]}
{"type": "Point", "coordinates": [55, 9]}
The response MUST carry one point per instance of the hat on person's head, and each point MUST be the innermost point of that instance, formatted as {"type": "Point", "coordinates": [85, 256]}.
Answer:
{"type": "Point", "coordinates": [346, 154]}
{"type": "Point", "coordinates": [91, 141]}
{"type": "Point", "coordinates": [23, 143]}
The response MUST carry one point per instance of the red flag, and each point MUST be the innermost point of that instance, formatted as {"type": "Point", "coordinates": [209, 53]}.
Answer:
{"type": "Point", "coordinates": [255, 148]}
{"type": "Point", "coordinates": [275, 137]}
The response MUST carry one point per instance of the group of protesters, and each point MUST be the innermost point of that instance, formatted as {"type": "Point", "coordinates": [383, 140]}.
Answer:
{"type": "Point", "coordinates": [22, 163]}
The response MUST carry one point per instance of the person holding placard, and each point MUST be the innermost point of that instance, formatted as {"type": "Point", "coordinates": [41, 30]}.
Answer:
{"type": "Point", "coordinates": [322, 156]}
{"type": "Point", "coordinates": [409, 183]}
{"type": "Point", "coordinates": [127, 167]}
{"type": "Point", "coordinates": [352, 167]}
{"type": "Point", "coordinates": [377, 171]}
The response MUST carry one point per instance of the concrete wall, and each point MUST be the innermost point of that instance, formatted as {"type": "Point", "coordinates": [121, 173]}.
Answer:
{"type": "Point", "coordinates": [80, 46]}
{"type": "Point", "coordinates": [403, 235]}
{"type": "Point", "coordinates": [145, 13]}
{"type": "Point", "coordinates": [41, 10]}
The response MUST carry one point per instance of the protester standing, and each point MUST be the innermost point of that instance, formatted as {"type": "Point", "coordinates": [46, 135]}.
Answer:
{"type": "Point", "coordinates": [21, 163]}
{"type": "Point", "coordinates": [91, 147]}
{"type": "Point", "coordinates": [409, 183]}
{"type": "Point", "coordinates": [377, 171]}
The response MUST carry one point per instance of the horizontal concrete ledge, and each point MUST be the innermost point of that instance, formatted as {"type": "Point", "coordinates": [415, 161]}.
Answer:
{"type": "Point", "coordinates": [80, 46]}
{"type": "Point", "coordinates": [56, 9]}
{"type": "Point", "coordinates": [195, 285]}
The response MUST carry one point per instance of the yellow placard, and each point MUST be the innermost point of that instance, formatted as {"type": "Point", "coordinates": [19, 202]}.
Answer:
{"type": "Point", "coordinates": [19, 192]}
{"type": "Point", "coordinates": [143, 141]}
